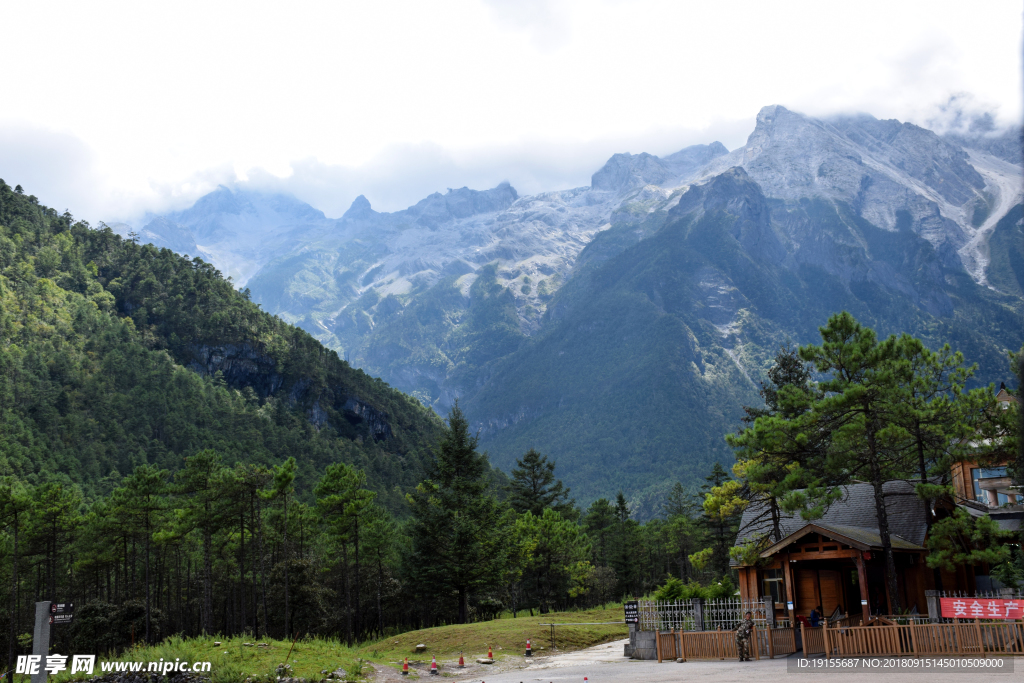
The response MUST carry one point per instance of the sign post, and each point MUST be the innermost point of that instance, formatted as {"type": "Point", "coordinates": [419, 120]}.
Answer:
{"type": "Point", "coordinates": [41, 640]}
{"type": "Point", "coordinates": [62, 612]}
{"type": "Point", "coordinates": [632, 610]}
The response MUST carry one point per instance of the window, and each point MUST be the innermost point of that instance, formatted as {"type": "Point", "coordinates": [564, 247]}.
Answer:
{"type": "Point", "coordinates": [978, 473]}
{"type": "Point", "coordinates": [772, 585]}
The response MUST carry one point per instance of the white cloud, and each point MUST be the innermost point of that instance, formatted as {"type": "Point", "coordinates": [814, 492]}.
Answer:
{"type": "Point", "coordinates": [154, 103]}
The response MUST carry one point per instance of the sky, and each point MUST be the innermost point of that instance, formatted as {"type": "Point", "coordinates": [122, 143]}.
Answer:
{"type": "Point", "coordinates": [115, 109]}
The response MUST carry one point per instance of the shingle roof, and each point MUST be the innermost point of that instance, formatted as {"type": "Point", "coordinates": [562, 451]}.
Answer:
{"type": "Point", "coordinates": [856, 510]}
{"type": "Point", "coordinates": [856, 536]}
{"type": "Point", "coordinates": [1008, 520]}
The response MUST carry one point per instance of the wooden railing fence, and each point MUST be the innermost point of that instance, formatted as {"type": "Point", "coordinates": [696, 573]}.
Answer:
{"type": "Point", "coordinates": [721, 644]}
{"type": "Point", "coordinates": [914, 639]}
{"type": "Point", "coordinates": [963, 638]}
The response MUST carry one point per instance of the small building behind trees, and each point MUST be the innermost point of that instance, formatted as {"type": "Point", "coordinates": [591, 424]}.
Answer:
{"type": "Point", "coordinates": [837, 561]}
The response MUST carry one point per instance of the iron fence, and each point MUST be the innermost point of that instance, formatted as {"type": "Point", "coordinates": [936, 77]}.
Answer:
{"type": "Point", "coordinates": [699, 615]}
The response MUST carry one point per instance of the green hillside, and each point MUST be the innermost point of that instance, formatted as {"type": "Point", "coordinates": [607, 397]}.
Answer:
{"type": "Point", "coordinates": [115, 354]}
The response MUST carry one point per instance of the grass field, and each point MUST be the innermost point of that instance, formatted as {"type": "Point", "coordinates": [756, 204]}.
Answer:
{"type": "Point", "coordinates": [234, 662]}
{"type": "Point", "coordinates": [505, 636]}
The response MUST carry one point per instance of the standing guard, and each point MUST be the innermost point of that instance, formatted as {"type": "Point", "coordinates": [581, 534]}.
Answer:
{"type": "Point", "coordinates": [743, 634]}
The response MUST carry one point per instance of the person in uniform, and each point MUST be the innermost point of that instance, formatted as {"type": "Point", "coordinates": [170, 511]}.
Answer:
{"type": "Point", "coordinates": [743, 635]}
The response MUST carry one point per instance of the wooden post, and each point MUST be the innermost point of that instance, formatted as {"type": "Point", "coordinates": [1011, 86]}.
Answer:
{"type": "Point", "coordinates": [934, 611]}
{"type": "Point", "coordinates": [803, 640]}
{"type": "Point", "coordinates": [770, 636]}
{"type": "Point", "coordinates": [721, 644]}
{"type": "Point", "coordinates": [657, 643]}
{"type": "Point", "coordinates": [787, 574]}
{"type": "Point", "coordinates": [675, 653]}
{"type": "Point", "coordinates": [981, 643]}
{"type": "Point", "coordinates": [757, 648]}
{"type": "Point", "coordinates": [824, 636]}
{"type": "Point", "coordinates": [865, 596]}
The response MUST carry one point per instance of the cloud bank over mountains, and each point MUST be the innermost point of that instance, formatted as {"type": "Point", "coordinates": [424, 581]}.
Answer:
{"type": "Point", "coordinates": [128, 112]}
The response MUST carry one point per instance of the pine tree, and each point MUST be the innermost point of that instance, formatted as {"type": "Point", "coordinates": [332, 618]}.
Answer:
{"type": "Point", "coordinates": [534, 489]}
{"type": "Point", "coordinates": [342, 501]}
{"type": "Point", "coordinates": [719, 526]}
{"type": "Point", "coordinates": [764, 468]}
{"type": "Point", "coordinates": [143, 499]}
{"type": "Point", "coordinates": [457, 541]}
{"type": "Point", "coordinates": [282, 488]}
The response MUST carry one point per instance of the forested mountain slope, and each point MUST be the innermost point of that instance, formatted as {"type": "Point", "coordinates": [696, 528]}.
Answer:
{"type": "Point", "coordinates": [114, 354]}
{"type": "Point", "coordinates": [619, 327]}
{"type": "Point", "coordinates": [650, 351]}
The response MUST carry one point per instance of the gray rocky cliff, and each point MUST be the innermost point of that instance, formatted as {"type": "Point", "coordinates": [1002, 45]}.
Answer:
{"type": "Point", "coordinates": [242, 366]}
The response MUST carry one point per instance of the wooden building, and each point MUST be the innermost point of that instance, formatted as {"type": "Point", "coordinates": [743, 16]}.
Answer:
{"type": "Point", "coordinates": [988, 485]}
{"type": "Point", "coordinates": [837, 561]}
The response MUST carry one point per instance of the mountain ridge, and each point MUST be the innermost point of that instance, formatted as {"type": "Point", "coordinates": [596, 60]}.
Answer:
{"type": "Point", "coordinates": [883, 218]}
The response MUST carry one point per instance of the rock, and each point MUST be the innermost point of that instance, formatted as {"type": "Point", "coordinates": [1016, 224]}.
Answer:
{"type": "Point", "coordinates": [217, 643]}
{"type": "Point", "coordinates": [485, 660]}
{"type": "Point", "coordinates": [421, 648]}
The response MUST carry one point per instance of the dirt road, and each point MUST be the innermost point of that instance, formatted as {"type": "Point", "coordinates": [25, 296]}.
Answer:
{"type": "Point", "coordinates": [605, 664]}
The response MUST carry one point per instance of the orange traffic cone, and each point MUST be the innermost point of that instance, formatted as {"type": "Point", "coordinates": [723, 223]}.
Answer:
{"type": "Point", "coordinates": [462, 662]}
{"type": "Point", "coordinates": [405, 667]}
{"type": "Point", "coordinates": [433, 666]}
{"type": "Point", "coordinates": [529, 650]}
{"type": "Point", "coordinates": [490, 654]}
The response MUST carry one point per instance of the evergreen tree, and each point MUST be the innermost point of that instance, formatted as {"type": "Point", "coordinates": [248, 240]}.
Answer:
{"type": "Point", "coordinates": [200, 481]}
{"type": "Point", "coordinates": [282, 489]}
{"type": "Point", "coordinates": [599, 522]}
{"type": "Point", "coordinates": [559, 561]}
{"type": "Point", "coordinates": [534, 489]}
{"type": "Point", "coordinates": [764, 468]}
{"type": "Point", "coordinates": [719, 525]}
{"type": "Point", "coordinates": [457, 541]}
{"type": "Point", "coordinates": [342, 501]}
{"type": "Point", "coordinates": [143, 497]}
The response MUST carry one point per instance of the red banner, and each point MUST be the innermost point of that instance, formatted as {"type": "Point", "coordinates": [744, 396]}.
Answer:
{"type": "Point", "coordinates": [982, 608]}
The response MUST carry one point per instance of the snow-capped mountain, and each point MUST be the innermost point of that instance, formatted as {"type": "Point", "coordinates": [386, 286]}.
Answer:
{"type": "Point", "coordinates": [659, 292]}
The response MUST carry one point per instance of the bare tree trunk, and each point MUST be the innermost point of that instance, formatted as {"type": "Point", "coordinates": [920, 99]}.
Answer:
{"type": "Point", "coordinates": [263, 571]}
{"type": "Point", "coordinates": [207, 616]}
{"type": "Point", "coordinates": [348, 594]}
{"type": "Point", "coordinates": [287, 609]}
{"type": "Point", "coordinates": [358, 617]}
{"type": "Point", "coordinates": [14, 597]}
{"type": "Point", "coordinates": [241, 565]}
{"type": "Point", "coordinates": [883, 524]}
{"type": "Point", "coordinates": [147, 579]}
{"type": "Point", "coordinates": [380, 583]}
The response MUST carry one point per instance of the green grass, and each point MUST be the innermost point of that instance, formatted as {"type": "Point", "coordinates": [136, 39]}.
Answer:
{"type": "Point", "coordinates": [506, 636]}
{"type": "Point", "coordinates": [233, 662]}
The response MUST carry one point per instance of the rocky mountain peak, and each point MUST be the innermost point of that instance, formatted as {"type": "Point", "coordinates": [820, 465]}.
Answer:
{"type": "Point", "coordinates": [360, 210]}
{"type": "Point", "coordinates": [625, 171]}
{"type": "Point", "coordinates": [461, 203]}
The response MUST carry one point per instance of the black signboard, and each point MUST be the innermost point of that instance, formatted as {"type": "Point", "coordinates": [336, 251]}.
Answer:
{"type": "Point", "coordinates": [61, 612]}
{"type": "Point", "coordinates": [632, 609]}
